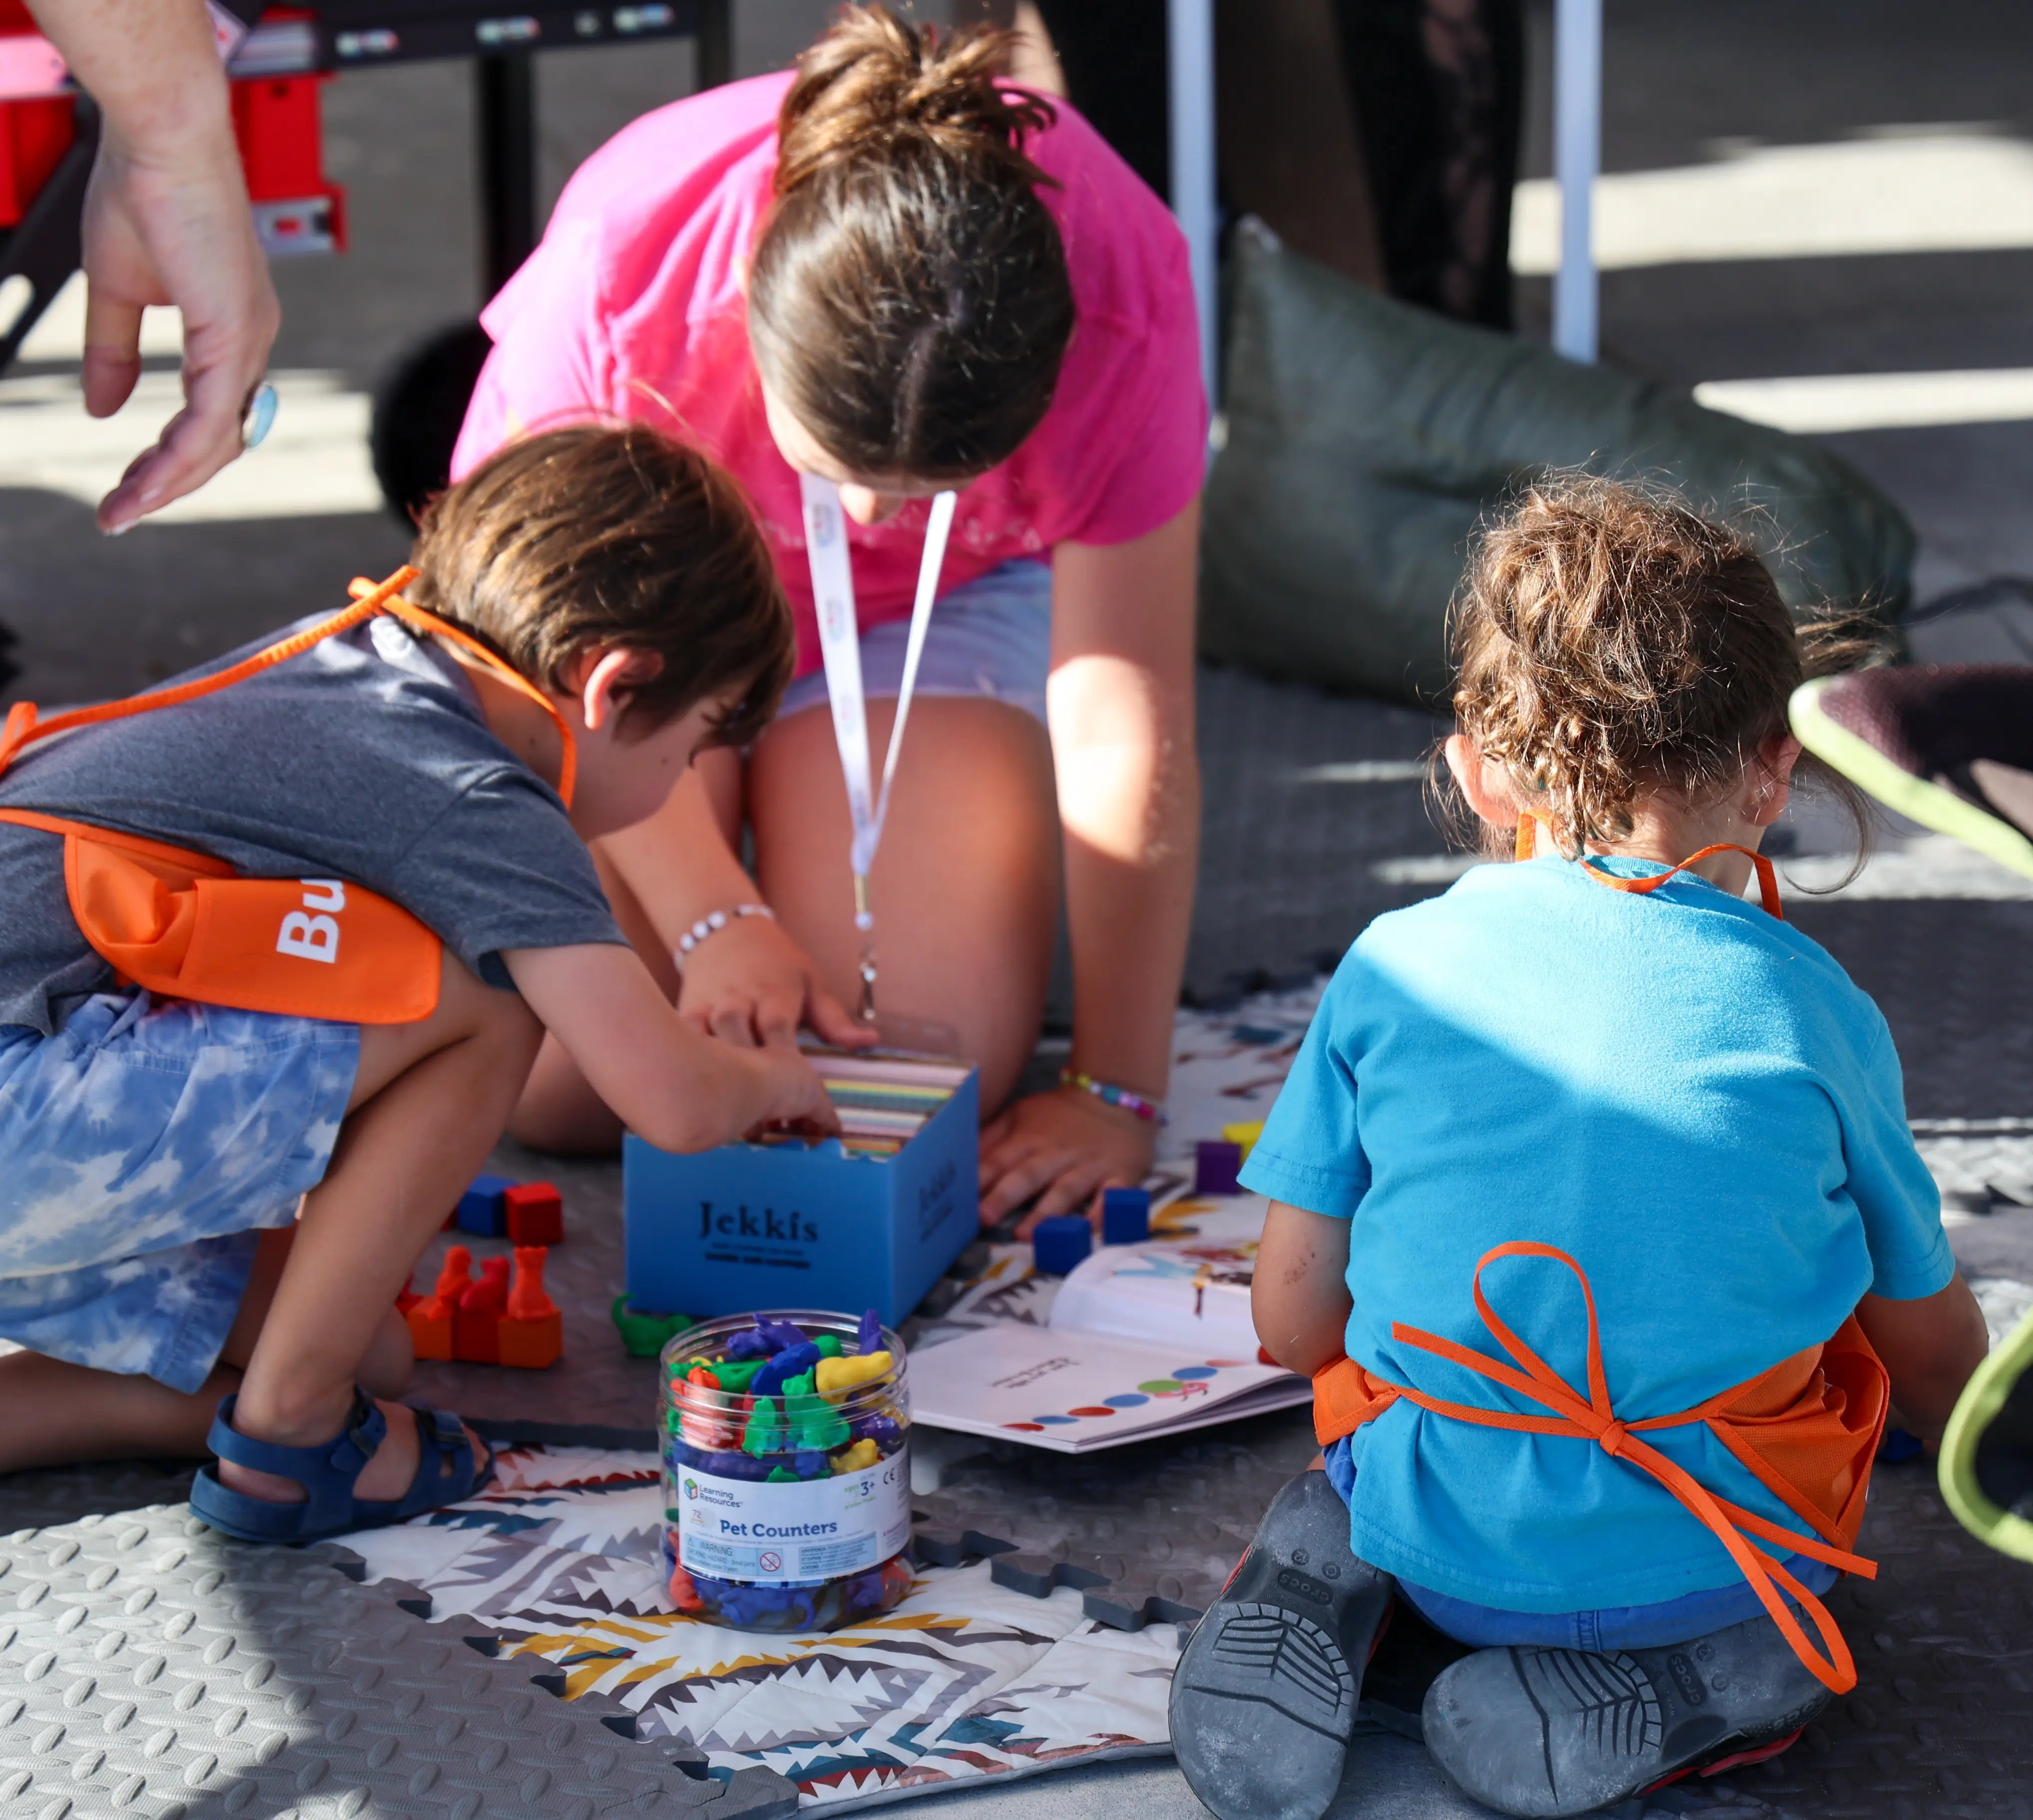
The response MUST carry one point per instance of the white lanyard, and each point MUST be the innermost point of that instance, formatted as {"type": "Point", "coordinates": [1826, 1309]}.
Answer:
{"type": "Point", "coordinates": [840, 643]}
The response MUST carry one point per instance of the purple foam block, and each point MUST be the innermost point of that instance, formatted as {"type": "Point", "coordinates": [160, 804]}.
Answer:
{"type": "Point", "coordinates": [869, 1338]}
{"type": "Point", "coordinates": [1216, 1165]}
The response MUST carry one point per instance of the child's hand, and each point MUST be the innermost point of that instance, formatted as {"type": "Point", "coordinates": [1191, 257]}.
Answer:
{"type": "Point", "coordinates": [664, 1079]}
{"type": "Point", "coordinates": [791, 1095]}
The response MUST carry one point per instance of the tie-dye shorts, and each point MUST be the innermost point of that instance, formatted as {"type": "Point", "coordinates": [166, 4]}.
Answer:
{"type": "Point", "coordinates": [142, 1148]}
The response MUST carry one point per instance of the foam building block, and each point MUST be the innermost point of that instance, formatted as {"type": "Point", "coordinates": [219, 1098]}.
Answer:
{"type": "Point", "coordinates": [431, 1319]}
{"type": "Point", "coordinates": [1245, 1134]}
{"type": "Point", "coordinates": [1056, 1246]}
{"type": "Point", "coordinates": [478, 1314]}
{"type": "Point", "coordinates": [1125, 1216]}
{"type": "Point", "coordinates": [531, 1332]}
{"type": "Point", "coordinates": [534, 1214]}
{"type": "Point", "coordinates": [481, 1210]}
{"type": "Point", "coordinates": [1216, 1163]}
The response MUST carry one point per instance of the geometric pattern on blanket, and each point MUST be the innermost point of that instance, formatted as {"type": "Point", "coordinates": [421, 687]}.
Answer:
{"type": "Point", "coordinates": [964, 1679]}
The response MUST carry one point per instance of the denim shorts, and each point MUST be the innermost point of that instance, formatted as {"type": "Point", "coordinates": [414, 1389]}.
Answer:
{"type": "Point", "coordinates": [991, 637]}
{"type": "Point", "coordinates": [142, 1148]}
{"type": "Point", "coordinates": [1609, 1627]}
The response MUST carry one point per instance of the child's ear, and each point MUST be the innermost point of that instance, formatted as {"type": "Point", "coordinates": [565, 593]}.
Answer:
{"type": "Point", "coordinates": [604, 678]}
{"type": "Point", "coordinates": [1484, 788]}
{"type": "Point", "coordinates": [1769, 780]}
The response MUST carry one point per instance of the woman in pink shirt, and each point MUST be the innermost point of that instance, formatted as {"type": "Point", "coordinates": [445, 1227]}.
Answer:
{"type": "Point", "coordinates": [890, 271]}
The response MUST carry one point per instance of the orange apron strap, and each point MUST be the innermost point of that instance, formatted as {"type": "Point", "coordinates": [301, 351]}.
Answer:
{"type": "Point", "coordinates": [23, 728]}
{"type": "Point", "coordinates": [187, 926]}
{"type": "Point", "coordinates": [199, 865]}
{"type": "Point", "coordinates": [419, 620]}
{"type": "Point", "coordinates": [1344, 1397]}
{"type": "Point", "coordinates": [1594, 1419]}
{"type": "Point", "coordinates": [1767, 879]}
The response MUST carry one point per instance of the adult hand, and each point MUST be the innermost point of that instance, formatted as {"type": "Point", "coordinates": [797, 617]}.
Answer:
{"type": "Point", "coordinates": [171, 225]}
{"type": "Point", "coordinates": [1065, 1147]}
{"type": "Point", "coordinates": [167, 221]}
{"type": "Point", "coordinates": [750, 985]}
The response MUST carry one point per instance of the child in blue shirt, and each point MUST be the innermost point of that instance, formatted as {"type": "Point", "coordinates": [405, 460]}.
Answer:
{"type": "Point", "coordinates": [1585, 1167]}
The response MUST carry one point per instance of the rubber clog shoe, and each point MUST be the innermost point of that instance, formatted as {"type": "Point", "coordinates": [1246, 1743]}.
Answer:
{"type": "Point", "coordinates": [1987, 1463]}
{"type": "Point", "coordinates": [446, 1472]}
{"type": "Point", "coordinates": [1949, 745]}
{"type": "Point", "coordinates": [1543, 1733]}
{"type": "Point", "coordinates": [1264, 1697]}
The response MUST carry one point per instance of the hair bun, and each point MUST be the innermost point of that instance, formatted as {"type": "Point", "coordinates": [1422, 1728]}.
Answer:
{"type": "Point", "coordinates": [874, 88]}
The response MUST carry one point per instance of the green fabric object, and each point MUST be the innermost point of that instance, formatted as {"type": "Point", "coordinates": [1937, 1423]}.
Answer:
{"type": "Point", "coordinates": [764, 1433]}
{"type": "Point", "coordinates": [735, 1375]}
{"type": "Point", "coordinates": [1367, 438]}
{"type": "Point", "coordinates": [828, 1345]}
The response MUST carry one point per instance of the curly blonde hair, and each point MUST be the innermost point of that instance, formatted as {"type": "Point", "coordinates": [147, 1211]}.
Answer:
{"type": "Point", "coordinates": [1611, 642]}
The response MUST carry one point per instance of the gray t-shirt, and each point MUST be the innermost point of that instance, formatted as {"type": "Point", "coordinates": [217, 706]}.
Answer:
{"type": "Point", "coordinates": [365, 759]}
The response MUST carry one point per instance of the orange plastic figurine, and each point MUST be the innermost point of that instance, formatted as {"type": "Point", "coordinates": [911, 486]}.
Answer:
{"type": "Point", "coordinates": [431, 1319]}
{"type": "Point", "coordinates": [473, 1323]}
{"type": "Point", "coordinates": [532, 1331]}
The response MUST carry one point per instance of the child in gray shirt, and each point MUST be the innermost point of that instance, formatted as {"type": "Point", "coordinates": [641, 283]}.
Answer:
{"type": "Point", "coordinates": [202, 1201]}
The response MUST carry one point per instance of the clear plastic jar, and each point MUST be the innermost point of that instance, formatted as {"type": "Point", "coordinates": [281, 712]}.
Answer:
{"type": "Point", "coordinates": [788, 1510]}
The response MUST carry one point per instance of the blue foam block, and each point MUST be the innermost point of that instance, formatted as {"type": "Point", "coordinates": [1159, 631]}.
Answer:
{"type": "Point", "coordinates": [482, 1210]}
{"type": "Point", "coordinates": [1125, 1216]}
{"type": "Point", "coordinates": [1058, 1245]}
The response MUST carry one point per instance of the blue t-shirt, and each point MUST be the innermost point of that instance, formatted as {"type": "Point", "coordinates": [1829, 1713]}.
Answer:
{"type": "Point", "coordinates": [1685, 1094]}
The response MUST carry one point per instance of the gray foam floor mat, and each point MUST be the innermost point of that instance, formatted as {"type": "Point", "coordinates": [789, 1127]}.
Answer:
{"type": "Point", "coordinates": [147, 1666]}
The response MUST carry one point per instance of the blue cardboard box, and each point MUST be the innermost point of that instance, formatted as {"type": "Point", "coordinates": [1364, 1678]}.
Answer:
{"type": "Point", "coordinates": [793, 1225]}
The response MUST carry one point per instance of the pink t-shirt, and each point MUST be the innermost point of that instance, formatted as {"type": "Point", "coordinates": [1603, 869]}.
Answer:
{"type": "Point", "coordinates": [633, 307]}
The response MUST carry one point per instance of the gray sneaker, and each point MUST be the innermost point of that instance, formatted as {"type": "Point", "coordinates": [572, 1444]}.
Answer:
{"type": "Point", "coordinates": [1264, 1699]}
{"type": "Point", "coordinates": [1548, 1733]}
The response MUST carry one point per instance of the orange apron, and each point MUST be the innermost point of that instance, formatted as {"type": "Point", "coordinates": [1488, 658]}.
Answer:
{"type": "Point", "coordinates": [186, 925]}
{"type": "Point", "coordinates": [1807, 1429]}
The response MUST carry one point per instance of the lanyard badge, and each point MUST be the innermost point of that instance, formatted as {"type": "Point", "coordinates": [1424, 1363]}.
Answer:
{"type": "Point", "coordinates": [840, 643]}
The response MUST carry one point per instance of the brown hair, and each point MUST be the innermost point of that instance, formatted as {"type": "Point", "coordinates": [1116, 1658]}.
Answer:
{"type": "Point", "coordinates": [1611, 640]}
{"type": "Point", "coordinates": [585, 537]}
{"type": "Point", "coordinates": [909, 301]}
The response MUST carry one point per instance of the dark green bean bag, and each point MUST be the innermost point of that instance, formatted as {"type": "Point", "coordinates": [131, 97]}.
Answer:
{"type": "Point", "coordinates": [1366, 439]}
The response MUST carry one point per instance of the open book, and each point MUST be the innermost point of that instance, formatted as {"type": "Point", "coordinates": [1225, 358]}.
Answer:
{"type": "Point", "coordinates": [1141, 1340]}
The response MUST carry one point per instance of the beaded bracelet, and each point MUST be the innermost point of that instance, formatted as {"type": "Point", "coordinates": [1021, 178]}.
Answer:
{"type": "Point", "coordinates": [712, 925]}
{"type": "Point", "coordinates": [1112, 1095]}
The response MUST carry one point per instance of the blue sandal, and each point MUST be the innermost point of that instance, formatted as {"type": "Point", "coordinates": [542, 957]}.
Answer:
{"type": "Point", "coordinates": [446, 1473]}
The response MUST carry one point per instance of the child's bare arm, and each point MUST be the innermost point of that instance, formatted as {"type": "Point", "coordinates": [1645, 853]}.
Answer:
{"type": "Point", "coordinates": [1300, 1294]}
{"type": "Point", "coordinates": [668, 1082]}
{"type": "Point", "coordinates": [1930, 1347]}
